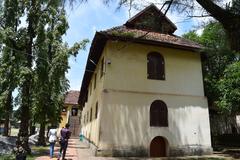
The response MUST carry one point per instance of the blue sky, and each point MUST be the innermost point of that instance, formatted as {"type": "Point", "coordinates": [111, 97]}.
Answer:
{"type": "Point", "coordinates": [85, 19]}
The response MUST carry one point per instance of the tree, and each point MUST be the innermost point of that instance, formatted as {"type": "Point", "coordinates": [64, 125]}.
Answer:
{"type": "Point", "coordinates": [32, 11]}
{"type": "Point", "coordinates": [220, 71]}
{"type": "Point", "coordinates": [9, 61]}
{"type": "Point", "coordinates": [38, 42]}
{"type": "Point", "coordinates": [229, 87]}
{"type": "Point", "coordinates": [228, 17]}
{"type": "Point", "coordinates": [42, 96]}
{"type": "Point", "coordinates": [216, 58]}
{"type": "Point", "coordinates": [50, 83]}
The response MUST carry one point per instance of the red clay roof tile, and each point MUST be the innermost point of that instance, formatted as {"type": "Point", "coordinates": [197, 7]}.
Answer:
{"type": "Point", "coordinates": [71, 97]}
{"type": "Point", "coordinates": [123, 31]}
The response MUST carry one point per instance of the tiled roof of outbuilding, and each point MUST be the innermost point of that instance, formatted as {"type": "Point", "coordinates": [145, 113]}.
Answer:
{"type": "Point", "coordinates": [71, 97]}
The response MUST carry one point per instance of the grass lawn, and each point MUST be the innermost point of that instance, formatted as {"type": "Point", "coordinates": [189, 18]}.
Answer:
{"type": "Point", "coordinates": [36, 152]}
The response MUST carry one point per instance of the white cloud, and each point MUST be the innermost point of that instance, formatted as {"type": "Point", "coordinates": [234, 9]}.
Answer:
{"type": "Point", "coordinates": [199, 31]}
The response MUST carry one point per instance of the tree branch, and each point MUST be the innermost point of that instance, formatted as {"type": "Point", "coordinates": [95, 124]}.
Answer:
{"type": "Point", "coordinates": [170, 3]}
{"type": "Point", "coordinates": [217, 12]}
{"type": "Point", "coordinates": [201, 16]}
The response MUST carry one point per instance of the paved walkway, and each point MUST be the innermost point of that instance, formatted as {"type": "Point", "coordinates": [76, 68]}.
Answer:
{"type": "Point", "coordinates": [79, 151]}
{"type": "Point", "coordinates": [71, 154]}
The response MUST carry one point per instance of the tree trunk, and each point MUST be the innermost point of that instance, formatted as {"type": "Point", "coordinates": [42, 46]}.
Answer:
{"type": "Point", "coordinates": [25, 116]}
{"type": "Point", "coordinates": [26, 87]}
{"type": "Point", "coordinates": [32, 128]}
{"type": "Point", "coordinates": [8, 111]}
{"type": "Point", "coordinates": [233, 33]}
{"type": "Point", "coordinates": [41, 138]}
{"type": "Point", "coordinates": [229, 20]}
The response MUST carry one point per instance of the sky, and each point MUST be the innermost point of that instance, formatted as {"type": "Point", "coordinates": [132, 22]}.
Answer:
{"type": "Point", "coordinates": [85, 19]}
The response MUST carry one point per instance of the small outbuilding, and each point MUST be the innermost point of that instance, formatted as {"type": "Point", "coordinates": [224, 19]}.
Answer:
{"type": "Point", "coordinates": [71, 112]}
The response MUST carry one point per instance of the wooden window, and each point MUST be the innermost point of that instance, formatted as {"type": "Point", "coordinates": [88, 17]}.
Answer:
{"type": "Point", "coordinates": [83, 120]}
{"type": "Point", "coordinates": [158, 114]}
{"type": "Point", "coordinates": [95, 80]}
{"type": "Point", "coordinates": [87, 117]}
{"type": "Point", "coordinates": [90, 114]}
{"type": "Point", "coordinates": [102, 67]}
{"type": "Point", "coordinates": [96, 110]}
{"type": "Point", "coordinates": [155, 66]}
{"type": "Point", "coordinates": [90, 117]}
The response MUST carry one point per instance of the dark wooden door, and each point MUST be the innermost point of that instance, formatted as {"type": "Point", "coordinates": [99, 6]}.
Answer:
{"type": "Point", "coordinates": [158, 147]}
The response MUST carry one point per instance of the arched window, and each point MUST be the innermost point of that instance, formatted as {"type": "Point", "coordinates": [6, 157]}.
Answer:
{"type": "Point", "coordinates": [158, 114]}
{"type": "Point", "coordinates": [155, 66]}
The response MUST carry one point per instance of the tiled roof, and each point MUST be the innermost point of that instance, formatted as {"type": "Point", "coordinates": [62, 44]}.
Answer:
{"type": "Point", "coordinates": [124, 32]}
{"type": "Point", "coordinates": [71, 97]}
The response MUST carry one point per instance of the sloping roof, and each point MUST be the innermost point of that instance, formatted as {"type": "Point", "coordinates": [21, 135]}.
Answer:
{"type": "Point", "coordinates": [123, 32]}
{"type": "Point", "coordinates": [71, 97]}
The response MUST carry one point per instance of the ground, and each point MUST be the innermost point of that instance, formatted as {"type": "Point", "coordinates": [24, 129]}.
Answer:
{"type": "Point", "coordinates": [78, 150]}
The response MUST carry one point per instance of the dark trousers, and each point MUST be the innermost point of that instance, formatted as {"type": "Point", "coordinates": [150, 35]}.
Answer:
{"type": "Point", "coordinates": [63, 150]}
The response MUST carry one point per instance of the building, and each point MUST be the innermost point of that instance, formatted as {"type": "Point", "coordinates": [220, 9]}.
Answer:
{"type": "Point", "coordinates": [142, 91]}
{"type": "Point", "coordinates": [71, 113]}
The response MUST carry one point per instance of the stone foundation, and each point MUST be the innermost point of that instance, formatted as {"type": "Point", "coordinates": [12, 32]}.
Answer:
{"type": "Point", "coordinates": [143, 152]}
{"type": "Point", "coordinates": [123, 152]}
{"type": "Point", "coordinates": [189, 151]}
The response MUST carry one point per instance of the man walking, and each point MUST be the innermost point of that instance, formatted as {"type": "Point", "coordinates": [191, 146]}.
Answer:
{"type": "Point", "coordinates": [65, 135]}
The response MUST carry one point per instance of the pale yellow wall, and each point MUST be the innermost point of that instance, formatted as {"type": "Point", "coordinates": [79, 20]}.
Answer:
{"type": "Point", "coordinates": [63, 121]}
{"type": "Point", "coordinates": [64, 117]}
{"type": "Point", "coordinates": [124, 95]}
{"type": "Point", "coordinates": [128, 70]}
{"type": "Point", "coordinates": [91, 129]}
{"type": "Point", "coordinates": [129, 95]}
{"type": "Point", "coordinates": [130, 124]}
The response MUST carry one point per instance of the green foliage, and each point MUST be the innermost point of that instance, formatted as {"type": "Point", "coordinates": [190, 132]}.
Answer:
{"type": "Point", "coordinates": [229, 87]}
{"type": "Point", "coordinates": [214, 37]}
{"type": "Point", "coordinates": [216, 58]}
{"type": "Point", "coordinates": [50, 83]}
{"type": "Point", "coordinates": [34, 59]}
{"type": "Point", "coordinates": [192, 35]}
{"type": "Point", "coordinates": [9, 59]}
{"type": "Point", "coordinates": [7, 157]}
{"type": "Point", "coordinates": [234, 8]}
